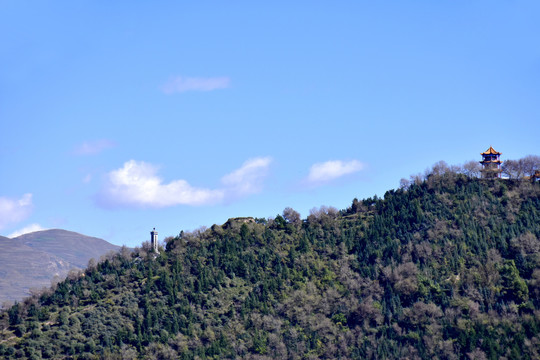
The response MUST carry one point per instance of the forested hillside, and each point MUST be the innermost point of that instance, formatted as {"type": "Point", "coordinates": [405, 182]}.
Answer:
{"type": "Point", "coordinates": [446, 268]}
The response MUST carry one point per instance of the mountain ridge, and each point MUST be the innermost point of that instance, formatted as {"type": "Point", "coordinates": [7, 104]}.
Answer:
{"type": "Point", "coordinates": [62, 243]}
{"type": "Point", "coordinates": [33, 260]}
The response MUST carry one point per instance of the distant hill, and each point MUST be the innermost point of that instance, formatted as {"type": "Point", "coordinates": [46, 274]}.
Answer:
{"type": "Point", "coordinates": [31, 261]}
{"type": "Point", "coordinates": [70, 246]}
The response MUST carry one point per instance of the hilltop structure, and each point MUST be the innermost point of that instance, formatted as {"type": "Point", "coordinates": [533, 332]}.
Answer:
{"type": "Point", "coordinates": [491, 164]}
{"type": "Point", "coordinates": [154, 240]}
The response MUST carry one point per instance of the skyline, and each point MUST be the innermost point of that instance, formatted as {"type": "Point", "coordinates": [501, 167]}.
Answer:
{"type": "Point", "coordinates": [118, 118]}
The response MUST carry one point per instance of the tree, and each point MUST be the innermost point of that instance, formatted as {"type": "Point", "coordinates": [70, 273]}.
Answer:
{"type": "Point", "coordinates": [291, 216]}
{"type": "Point", "coordinates": [323, 211]}
{"type": "Point", "coordinates": [440, 168]}
{"type": "Point", "coordinates": [529, 164]}
{"type": "Point", "coordinates": [403, 278]}
{"type": "Point", "coordinates": [514, 287]}
{"type": "Point", "coordinates": [512, 169]}
{"type": "Point", "coordinates": [517, 169]}
{"type": "Point", "coordinates": [403, 184]}
{"type": "Point", "coordinates": [472, 169]}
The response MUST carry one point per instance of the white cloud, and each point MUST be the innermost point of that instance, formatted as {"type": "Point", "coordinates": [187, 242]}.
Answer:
{"type": "Point", "coordinates": [247, 179]}
{"type": "Point", "coordinates": [94, 147]}
{"type": "Point", "coordinates": [182, 84]}
{"type": "Point", "coordinates": [331, 170]}
{"type": "Point", "coordinates": [136, 184]}
{"type": "Point", "coordinates": [14, 210]}
{"type": "Point", "coordinates": [25, 230]}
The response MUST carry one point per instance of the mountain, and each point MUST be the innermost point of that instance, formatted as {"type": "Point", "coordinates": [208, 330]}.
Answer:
{"type": "Point", "coordinates": [446, 268]}
{"type": "Point", "coordinates": [70, 246]}
{"type": "Point", "coordinates": [32, 260]}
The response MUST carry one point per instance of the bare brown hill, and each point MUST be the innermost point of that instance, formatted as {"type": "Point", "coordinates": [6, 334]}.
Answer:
{"type": "Point", "coordinates": [70, 246]}
{"type": "Point", "coordinates": [32, 260]}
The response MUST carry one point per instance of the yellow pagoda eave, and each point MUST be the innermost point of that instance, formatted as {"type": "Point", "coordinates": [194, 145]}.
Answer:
{"type": "Point", "coordinates": [491, 151]}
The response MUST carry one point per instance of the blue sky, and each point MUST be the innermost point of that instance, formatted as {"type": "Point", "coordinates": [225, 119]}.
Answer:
{"type": "Point", "coordinates": [117, 117]}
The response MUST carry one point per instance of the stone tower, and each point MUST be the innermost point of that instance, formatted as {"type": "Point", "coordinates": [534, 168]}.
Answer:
{"type": "Point", "coordinates": [154, 240]}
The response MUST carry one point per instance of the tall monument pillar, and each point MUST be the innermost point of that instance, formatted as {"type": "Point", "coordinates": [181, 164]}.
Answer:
{"type": "Point", "coordinates": [154, 240]}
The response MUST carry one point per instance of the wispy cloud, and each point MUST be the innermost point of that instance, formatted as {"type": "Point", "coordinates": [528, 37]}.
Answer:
{"type": "Point", "coordinates": [26, 230]}
{"type": "Point", "coordinates": [94, 147]}
{"type": "Point", "coordinates": [13, 211]}
{"type": "Point", "coordinates": [248, 178]}
{"type": "Point", "coordinates": [137, 184]}
{"type": "Point", "coordinates": [330, 170]}
{"type": "Point", "coordinates": [181, 84]}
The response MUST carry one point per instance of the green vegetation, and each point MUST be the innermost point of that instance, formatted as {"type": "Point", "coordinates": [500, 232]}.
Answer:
{"type": "Point", "coordinates": [446, 268]}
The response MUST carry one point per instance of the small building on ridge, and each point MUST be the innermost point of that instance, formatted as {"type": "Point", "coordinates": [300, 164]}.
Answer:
{"type": "Point", "coordinates": [491, 164]}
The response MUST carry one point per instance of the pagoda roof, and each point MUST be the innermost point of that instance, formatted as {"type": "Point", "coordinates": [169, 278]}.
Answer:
{"type": "Point", "coordinates": [491, 151]}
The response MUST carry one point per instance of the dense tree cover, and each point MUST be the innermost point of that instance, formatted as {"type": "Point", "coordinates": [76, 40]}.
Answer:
{"type": "Point", "coordinates": [446, 268]}
{"type": "Point", "coordinates": [521, 168]}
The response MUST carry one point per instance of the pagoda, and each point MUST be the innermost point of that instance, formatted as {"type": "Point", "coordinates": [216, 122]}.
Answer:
{"type": "Point", "coordinates": [491, 164]}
